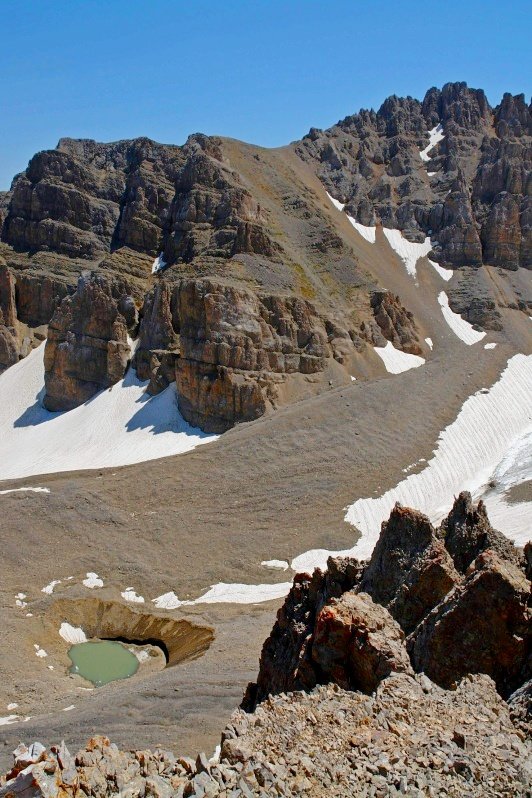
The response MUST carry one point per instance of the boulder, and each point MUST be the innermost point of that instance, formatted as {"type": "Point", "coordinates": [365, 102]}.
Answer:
{"type": "Point", "coordinates": [357, 643]}
{"type": "Point", "coordinates": [87, 347]}
{"type": "Point", "coordinates": [482, 626]}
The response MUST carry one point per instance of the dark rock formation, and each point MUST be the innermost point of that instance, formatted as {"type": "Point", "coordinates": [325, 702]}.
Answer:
{"type": "Point", "coordinates": [8, 306]}
{"type": "Point", "coordinates": [467, 532]}
{"type": "Point", "coordinates": [286, 658]}
{"type": "Point", "coordinates": [474, 205]}
{"type": "Point", "coordinates": [87, 347]}
{"type": "Point", "coordinates": [410, 571]}
{"type": "Point", "coordinates": [520, 704]}
{"type": "Point", "coordinates": [334, 626]}
{"type": "Point", "coordinates": [482, 626]}
{"type": "Point", "coordinates": [357, 643]}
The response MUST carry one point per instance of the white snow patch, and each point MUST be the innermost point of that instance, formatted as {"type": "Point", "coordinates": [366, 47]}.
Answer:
{"type": "Point", "coordinates": [129, 594]}
{"type": "Point", "coordinates": [118, 426]}
{"type": "Point", "coordinates": [12, 706]}
{"type": "Point", "coordinates": [72, 634]}
{"type": "Point", "coordinates": [431, 174]}
{"type": "Point", "coordinates": [339, 205]}
{"type": "Point", "coordinates": [429, 343]}
{"type": "Point", "coordinates": [462, 328]}
{"type": "Point", "coordinates": [490, 346]}
{"type": "Point", "coordinates": [158, 264]}
{"type": "Point", "coordinates": [227, 593]}
{"type": "Point", "coordinates": [435, 136]}
{"type": "Point", "coordinates": [242, 594]}
{"type": "Point", "coordinates": [445, 274]}
{"type": "Point", "coordinates": [216, 755]}
{"type": "Point", "coordinates": [49, 589]}
{"type": "Point", "coordinates": [168, 601]}
{"type": "Point", "coordinates": [8, 719]}
{"type": "Point", "coordinates": [396, 361]}
{"type": "Point", "coordinates": [69, 709]}
{"type": "Point", "coordinates": [28, 490]}
{"type": "Point", "coordinates": [280, 565]}
{"type": "Point", "coordinates": [409, 251]}
{"type": "Point", "coordinates": [353, 379]}
{"type": "Point", "coordinates": [93, 580]}
{"type": "Point", "coordinates": [367, 232]}
{"type": "Point", "coordinates": [41, 653]}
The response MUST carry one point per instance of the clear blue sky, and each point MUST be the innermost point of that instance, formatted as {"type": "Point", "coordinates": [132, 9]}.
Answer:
{"type": "Point", "coordinates": [259, 70]}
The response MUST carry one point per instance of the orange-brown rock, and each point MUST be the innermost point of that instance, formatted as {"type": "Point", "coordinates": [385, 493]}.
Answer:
{"type": "Point", "coordinates": [8, 306]}
{"type": "Point", "coordinates": [158, 343]}
{"type": "Point", "coordinates": [357, 643]}
{"type": "Point", "coordinates": [87, 347]}
{"type": "Point", "coordinates": [396, 323]}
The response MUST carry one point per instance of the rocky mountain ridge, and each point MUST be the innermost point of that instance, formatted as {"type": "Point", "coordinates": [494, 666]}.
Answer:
{"type": "Point", "coordinates": [247, 294]}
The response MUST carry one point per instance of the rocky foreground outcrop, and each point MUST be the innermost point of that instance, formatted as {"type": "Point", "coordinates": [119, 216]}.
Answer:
{"type": "Point", "coordinates": [383, 678]}
{"type": "Point", "coordinates": [459, 595]}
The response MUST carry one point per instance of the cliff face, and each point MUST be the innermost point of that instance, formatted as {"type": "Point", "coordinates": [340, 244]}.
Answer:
{"type": "Point", "coordinates": [87, 347]}
{"type": "Point", "coordinates": [469, 191]}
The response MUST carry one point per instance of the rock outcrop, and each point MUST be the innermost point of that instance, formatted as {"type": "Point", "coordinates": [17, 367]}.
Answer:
{"type": "Point", "coordinates": [470, 616]}
{"type": "Point", "coordinates": [469, 192]}
{"type": "Point", "coordinates": [482, 626]}
{"type": "Point", "coordinates": [396, 323]}
{"type": "Point", "coordinates": [357, 643]}
{"type": "Point", "coordinates": [87, 347]}
{"type": "Point", "coordinates": [236, 345]}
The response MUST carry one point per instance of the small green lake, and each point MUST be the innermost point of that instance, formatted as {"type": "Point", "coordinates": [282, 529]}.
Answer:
{"type": "Point", "coordinates": [102, 661]}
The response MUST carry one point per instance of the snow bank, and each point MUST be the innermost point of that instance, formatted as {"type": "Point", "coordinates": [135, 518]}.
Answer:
{"type": "Point", "coordinates": [119, 426]}
{"type": "Point", "coordinates": [49, 589]}
{"type": "Point", "coordinates": [8, 720]}
{"type": "Point", "coordinates": [409, 251]}
{"type": "Point", "coordinates": [491, 439]}
{"type": "Point", "coordinates": [20, 490]}
{"type": "Point", "coordinates": [366, 232]}
{"type": "Point", "coordinates": [445, 274]}
{"type": "Point", "coordinates": [280, 565]}
{"type": "Point", "coordinates": [490, 346]}
{"type": "Point", "coordinates": [435, 136]}
{"type": "Point", "coordinates": [429, 343]}
{"type": "Point", "coordinates": [92, 580]}
{"type": "Point", "coordinates": [339, 205]}
{"type": "Point", "coordinates": [462, 328]}
{"type": "Point", "coordinates": [129, 594]}
{"type": "Point", "coordinates": [72, 634]}
{"type": "Point", "coordinates": [397, 361]}
{"type": "Point", "coordinates": [227, 593]}
{"type": "Point", "coordinates": [158, 264]}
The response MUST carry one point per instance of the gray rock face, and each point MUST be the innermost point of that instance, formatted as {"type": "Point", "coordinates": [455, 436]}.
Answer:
{"type": "Point", "coordinates": [474, 205]}
{"type": "Point", "coordinates": [87, 347]}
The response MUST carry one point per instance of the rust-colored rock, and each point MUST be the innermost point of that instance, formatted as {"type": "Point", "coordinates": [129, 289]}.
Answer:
{"type": "Point", "coordinates": [396, 323]}
{"type": "Point", "coordinates": [357, 643]}
{"type": "Point", "coordinates": [8, 306]}
{"type": "Point", "coordinates": [87, 347]}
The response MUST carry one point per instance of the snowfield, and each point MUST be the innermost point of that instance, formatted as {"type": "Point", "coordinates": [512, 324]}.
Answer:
{"type": "Point", "coordinates": [435, 136]}
{"type": "Point", "coordinates": [460, 327]}
{"type": "Point", "coordinates": [409, 251]}
{"type": "Point", "coordinates": [490, 442]}
{"type": "Point", "coordinates": [396, 360]}
{"type": "Point", "coordinates": [118, 426]}
{"type": "Point", "coordinates": [369, 233]}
